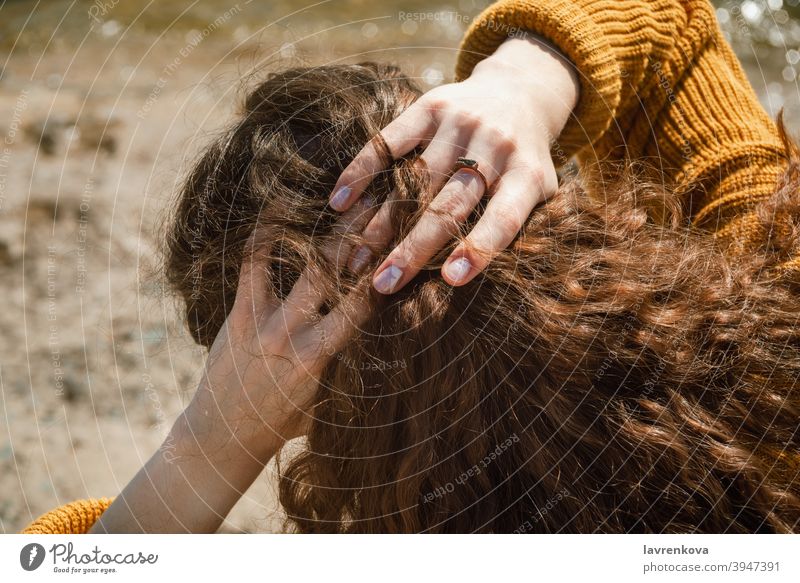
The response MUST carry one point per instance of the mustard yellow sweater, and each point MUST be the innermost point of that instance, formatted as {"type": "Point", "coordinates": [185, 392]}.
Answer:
{"type": "Point", "coordinates": [658, 83]}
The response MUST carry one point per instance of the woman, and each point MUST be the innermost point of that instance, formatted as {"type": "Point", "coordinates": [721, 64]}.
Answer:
{"type": "Point", "coordinates": [593, 365]}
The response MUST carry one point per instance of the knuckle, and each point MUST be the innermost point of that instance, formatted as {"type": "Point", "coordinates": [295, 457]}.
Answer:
{"type": "Point", "coordinates": [361, 163]}
{"type": "Point", "coordinates": [536, 175]}
{"type": "Point", "coordinates": [498, 136]}
{"type": "Point", "coordinates": [506, 146]}
{"type": "Point", "coordinates": [435, 102]}
{"type": "Point", "coordinates": [550, 181]}
{"type": "Point", "coordinates": [507, 218]}
{"type": "Point", "coordinates": [467, 119]}
{"type": "Point", "coordinates": [351, 173]}
{"type": "Point", "coordinates": [411, 253]}
{"type": "Point", "coordinates": [545, 179]}
{"type": "Point", "coordinates": [494, 133]}
{"type": "Point", "coordinates": [452, 205]}
{"type": "Point", "coordinates": [377, 233]}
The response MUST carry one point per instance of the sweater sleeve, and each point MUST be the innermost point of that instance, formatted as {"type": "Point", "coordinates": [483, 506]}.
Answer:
{"type": "Point", "coordinates": [74, 518]}
{"type": "Point", "coordinates": [659, 84]}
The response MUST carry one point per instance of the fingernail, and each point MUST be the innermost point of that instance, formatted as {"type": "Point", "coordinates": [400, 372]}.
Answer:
{"type": "Point", "coordinates": [387, 279]}
{"type": "Point", "coordinates": [360, 259]}
{"type": "Point", "coordinates": [339, 198]}
{"type": "Point", "coordinates": [368, 201]}
{"type": "Point", "coordinates": [458, 270]}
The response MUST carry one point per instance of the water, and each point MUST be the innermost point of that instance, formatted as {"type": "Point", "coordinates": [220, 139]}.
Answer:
{"type": "Point", "coordinates": [422, 35]}
{"type": "Point", "coordinates": [766, 36]}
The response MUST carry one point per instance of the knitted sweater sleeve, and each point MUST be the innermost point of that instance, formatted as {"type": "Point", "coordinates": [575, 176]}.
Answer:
{"type": "Point", "coordinates": [660, 84]}
{"type": "Point", "coordinates": [74, 518]}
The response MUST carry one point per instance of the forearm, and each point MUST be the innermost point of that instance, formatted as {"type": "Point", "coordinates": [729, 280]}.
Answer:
{"type": "Point", "coordinates": [190, 484]}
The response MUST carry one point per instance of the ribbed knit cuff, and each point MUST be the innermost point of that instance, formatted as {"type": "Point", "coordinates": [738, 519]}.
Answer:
{"type": "Point", "coordinates": [74, 518]}
{"type": "Point", "coordinates": [570, 28]}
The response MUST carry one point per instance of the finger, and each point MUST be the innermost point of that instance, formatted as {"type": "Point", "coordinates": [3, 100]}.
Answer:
{"type": "Point", "coordinates": [307, 295]}
{"type": "Point", "coordinates": [437, 226]}
{"type": "Point", "coordinates": [515, 197]}
{"type": "Point", "coordinates": [438, 161]}
{"type": "Point", "coordinates": [414, 125]}
{"type": "Point", "coordinates": [440, 223]}
{"type": "Point", "coordinates": [442, 153]}
{"type": "Point", "coordinates": [342, 323]}
{"type": "Point", "coordinates": [377, 235]}
{"type": "Point", "coordinates": [254, 287]}
{"type": "Point", "coordinates": [354, 220]}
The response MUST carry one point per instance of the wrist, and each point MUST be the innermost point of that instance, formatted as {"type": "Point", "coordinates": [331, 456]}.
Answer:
{"type": "Point", "coordinates": [536, 70]}
{"type": "Point", "coordinates": [203, 429]}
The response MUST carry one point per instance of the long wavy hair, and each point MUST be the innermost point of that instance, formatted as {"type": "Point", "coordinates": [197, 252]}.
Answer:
{"type": "Point", "coordinates": [613, 370]}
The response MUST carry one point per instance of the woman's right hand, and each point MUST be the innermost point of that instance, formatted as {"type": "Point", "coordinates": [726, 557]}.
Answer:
{"type": "Point", "coordinates": [261, 375]}
{"type": "Point", "coordinates": [263, 367]}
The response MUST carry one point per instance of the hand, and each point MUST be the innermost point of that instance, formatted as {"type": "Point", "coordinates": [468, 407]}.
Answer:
{"type": "Point", "coordinates": [505, 116]}
{"type": "Point", "coordinates": [261, 374]}
{"type": "Point", "coordinates": [263, 367]}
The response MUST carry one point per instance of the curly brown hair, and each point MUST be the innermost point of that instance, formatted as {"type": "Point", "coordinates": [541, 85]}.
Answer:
{"type": "Point", "coordinates": [613, 370]}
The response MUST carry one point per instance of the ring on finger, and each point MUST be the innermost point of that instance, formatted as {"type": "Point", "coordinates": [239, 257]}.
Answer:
{"type": "Point", "coordinates": [470, 164]}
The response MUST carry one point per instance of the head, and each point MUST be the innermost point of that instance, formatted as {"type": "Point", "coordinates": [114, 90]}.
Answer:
{"type": "Point", "coordinates": [607, 372]}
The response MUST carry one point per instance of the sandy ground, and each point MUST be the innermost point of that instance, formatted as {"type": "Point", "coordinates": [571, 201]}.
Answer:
{"type": "Point", "coordinates": [96, 131]}
{"type": "Point", "coordinates": [98, 123]}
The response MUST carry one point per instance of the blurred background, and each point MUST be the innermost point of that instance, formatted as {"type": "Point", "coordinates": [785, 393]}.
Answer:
{"type": "Point", "coordinates": [104, 105]}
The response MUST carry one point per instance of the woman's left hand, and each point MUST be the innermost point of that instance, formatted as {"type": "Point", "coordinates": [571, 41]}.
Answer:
{"type": "Point", "coordinates": [505, 117]}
